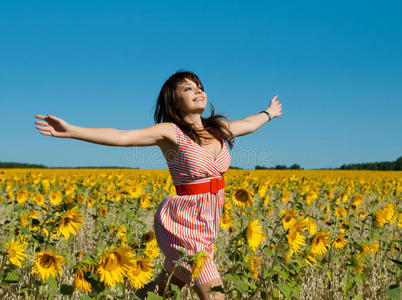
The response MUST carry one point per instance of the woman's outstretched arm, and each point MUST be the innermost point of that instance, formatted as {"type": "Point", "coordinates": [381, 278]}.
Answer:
{"type": "Point", "coordinates": [251, 123]}
{"type": "Point", "coordinates": [57, 127]}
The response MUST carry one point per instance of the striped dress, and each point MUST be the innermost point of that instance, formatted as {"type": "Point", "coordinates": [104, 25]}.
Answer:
{"type": "Point", "coordinates": [191, 222]}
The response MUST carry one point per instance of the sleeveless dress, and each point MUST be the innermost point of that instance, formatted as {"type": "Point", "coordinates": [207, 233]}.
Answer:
{"type": "Point", "coordinates": [191, 222]}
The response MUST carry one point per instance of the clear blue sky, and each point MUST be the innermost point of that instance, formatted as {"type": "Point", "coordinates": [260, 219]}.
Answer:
{"type": "Point", "coordinates": [336, 67]}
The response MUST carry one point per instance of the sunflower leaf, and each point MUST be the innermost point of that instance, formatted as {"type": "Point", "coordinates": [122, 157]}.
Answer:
{"type": "Point", "coordinates": [11, 277]}
{"type": "Point", "coordinates": [394, 292]}
{"type": "Point", "coordinates": [52, 282]}
{"type": "Point", "coordinates": [66, 289]}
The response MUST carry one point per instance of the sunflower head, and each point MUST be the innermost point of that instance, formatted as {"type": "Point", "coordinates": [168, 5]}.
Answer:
{"type": "Point", "coordinates": [47, 263]}
{"type": "Point", "coordinates": [242, 198]}
{"type": "Point", "coordinates": [114, 264]}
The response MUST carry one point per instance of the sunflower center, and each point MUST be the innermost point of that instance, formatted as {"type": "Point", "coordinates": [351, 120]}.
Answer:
{"type": "Point", "coordinates": [47, 261]}
{"type": "Point", "coordinates": [112, 262]}
{"type": "Point", "coordinates": [242, 196]}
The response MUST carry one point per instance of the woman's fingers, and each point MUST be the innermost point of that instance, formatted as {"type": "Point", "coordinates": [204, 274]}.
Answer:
{"type": "Point", "coordinates": [40, 123]}
{"type": "Point", "coordinates": [42, 128]}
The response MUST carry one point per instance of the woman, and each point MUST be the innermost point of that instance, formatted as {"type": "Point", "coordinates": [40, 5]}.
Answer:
{"type": "Point", "coordinates": [197, 157]}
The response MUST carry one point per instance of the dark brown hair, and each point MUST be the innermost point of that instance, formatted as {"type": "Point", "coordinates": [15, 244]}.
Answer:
{"type": "Point", "coordinates": [166, 110]}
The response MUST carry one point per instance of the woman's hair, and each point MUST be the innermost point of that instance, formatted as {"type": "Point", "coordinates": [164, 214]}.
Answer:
{"type": "Point", "coordinates": [166, 110]}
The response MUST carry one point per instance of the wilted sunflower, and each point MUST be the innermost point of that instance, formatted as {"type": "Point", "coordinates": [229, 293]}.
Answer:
{"type": "Point", "coordinates": [255, 264]}
{"type": "Point", "coordinates": [339, 242]}
{"type": "Point", "coordinates": [254, 234]}
{"type": "Point", "coordinates": [198, 262]}
{"type": "Point", "coordinates": [47, 263]}
{"type": "Point", "coordinates": [140, 274]}
{"type": "Point", "coordinates": [114, 264]}
{"type": "Point", "coordinates": [69, 222]}
{"type": "Point", "coordinates": [320, 243]}
{"type": "Point", "coordinates": [242, 198]}
{"type": "Point", "coordinates": [15, 252]}
{"type": "Point", "coordinates": [80, 283]}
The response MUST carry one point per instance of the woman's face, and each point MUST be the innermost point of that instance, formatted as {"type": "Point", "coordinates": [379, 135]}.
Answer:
{"type": "Point", "coordinates": [192, 98]}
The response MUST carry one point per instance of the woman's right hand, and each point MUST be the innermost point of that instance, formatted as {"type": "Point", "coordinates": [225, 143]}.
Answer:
{"type": "Point", "coordinates": [53, 126]}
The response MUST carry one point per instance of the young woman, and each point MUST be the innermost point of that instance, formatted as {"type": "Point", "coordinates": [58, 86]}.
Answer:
{"type": "Point", "coordinates": [197, 158]}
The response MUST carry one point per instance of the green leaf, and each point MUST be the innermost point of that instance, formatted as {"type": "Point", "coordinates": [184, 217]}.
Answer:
{"type": "Point", "coordinates": [52, 282]}
{"type": "Point", "coordinates": [66, 289]}
{"type": "Point", "coordinates": [153, 296]}
{"type": "Point", "coordinates": [176, 290]}
{"type": "Point", "coordinates": [284, 289]}
{"type": "Point", "coordinates": [86, 297]}
{"type": "Point", "coordinates": [394, 292]}
{"type": "Point", "coordinates": [11, 277]}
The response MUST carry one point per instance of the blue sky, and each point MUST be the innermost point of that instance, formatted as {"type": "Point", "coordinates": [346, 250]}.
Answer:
{"type": "Point", "coordinates": [337, 68]}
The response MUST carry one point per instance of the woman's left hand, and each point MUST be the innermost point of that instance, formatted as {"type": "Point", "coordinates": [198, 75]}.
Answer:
{"type": "Point", "coordinates": [275, 108]}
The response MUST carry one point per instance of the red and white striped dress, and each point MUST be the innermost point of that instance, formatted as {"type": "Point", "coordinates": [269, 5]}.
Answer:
{"type": "Point", "coordinates": [191, 222]}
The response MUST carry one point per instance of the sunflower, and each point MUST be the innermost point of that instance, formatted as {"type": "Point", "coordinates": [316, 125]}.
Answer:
{"type": "Point", "coordinates": [80, 283]}
{"type": "Point", "coordinates": [339, 242]}
{"type": "Point", "coordinates": [309, 259]}
{"type": "Point", "coordinates": [254, 234]}
{"type": "Point", "coordinates": [198, 262]}
{"type": "Point", "coordinates": [295, 238]}
{"type": "Point", "coordinates": [285, 196]}
{"type": "Point", "coordinates": [122, 233]}
{"type": "Point", "coordinates": [145, 200]}
{"type": "Point", "coordinates": [311, 226]}
{"type": "Point", "coordinates": [23, 195]}
{"type": "Point", "coordinates": [115, 263]}
{"type": "Point", "coordinates": [38, 198]}
{"type": "Point", "coordinates": [384, 215]}
{"type": "Point", "coordinates": [24, 220]}
{"type": "Point", "coordinates": [141, 273]}
{"type": "Point", "coordinates": [226, 220]}
{"type": "Point", "coordinates": [362, 214]}
{"type": "Point", "coordinates": [242, 198]}
{"type": "Point", "coordinates": [102, 211]}
{"type": "Point", "coordinates": [341, 212]}
{"type": "Point", "coordinates": [55, 197]}
{"type": "Point", "coordinates": [320, 243]}
{"type": "Point", "coordinates": [344, 227]}
{"type": "Point", "coordinates": [151, 250]}
{"type": "Point", "coordinates": [69, 222]}
{"type": "Point", "coordinates": [149, 237]}
{"type": "Point", "coordinates": [15, 252]}
{"type": "Point", "coordinates": [289, 218]}
{"type": "Point", "coordinates": [47, 263]}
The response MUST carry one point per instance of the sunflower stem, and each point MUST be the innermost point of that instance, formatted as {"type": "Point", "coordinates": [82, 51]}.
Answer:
{"type": "Point", "coordinates": [170, 277]}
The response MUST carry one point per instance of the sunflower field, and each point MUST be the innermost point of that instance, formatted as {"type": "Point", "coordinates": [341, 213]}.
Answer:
{"type": "Point", "coordinates": [285, 234]}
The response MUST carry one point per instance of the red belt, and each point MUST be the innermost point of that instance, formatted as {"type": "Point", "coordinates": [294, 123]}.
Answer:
{"type": "Point", "coordinates": [213, 186]}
